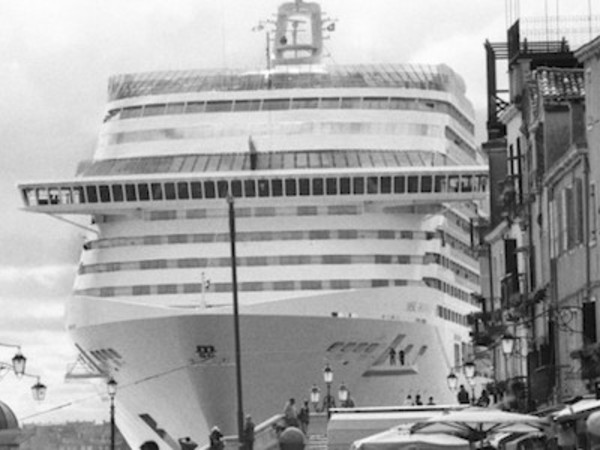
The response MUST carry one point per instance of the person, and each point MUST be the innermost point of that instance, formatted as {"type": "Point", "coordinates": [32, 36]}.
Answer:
{"type": "Point", "coordinates": [304, 417]}
{"type": "Point", "coordinates": [401, 357]}
{"type": "Point", "coordinates": [463, 395]}
{"type": "Point", "coordinates": [215, 439]}
{"type": "Point", "coordinates": [349, 402]}
{"type": "Point", "coordinates": [328, 402]}
{"type": "Point", "coordinates": [149, 445]}
{"type": "Point", "coordinates": [392, 357]}
{"type": "Point", "coordinates": [249, 433]}
{"type": "Point", "coordinates": [430, 401]}
{"type": "Point", "coordinates": [484, 399]}
{"type": "Point", "coordinates": [418, 400]}
{"type": "Point", "coordinates": [409, 401]}
{"type": "Point", "coordinates": [290, 414]}
{"type": "Point", "coordinates": [186, 443]}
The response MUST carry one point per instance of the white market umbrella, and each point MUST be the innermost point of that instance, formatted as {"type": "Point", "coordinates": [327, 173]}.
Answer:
{"type": "Point", "coordinates": [477, 424]}
{"type": "Point", "coordinates": [400, 439]}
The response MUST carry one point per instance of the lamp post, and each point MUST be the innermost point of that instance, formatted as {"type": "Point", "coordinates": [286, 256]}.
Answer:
{"type": "Point", "coordinates": [38, 390]}
{"type": "Point", "coordinates": [469, 368]}
{"type": "Point", "coordinates": [315, 396]}
{"type": "Point", "coordinates": [508, 345]}
{"type": "Point", "coordinates": [343, 395]}
{"type": "Point", "coordinates": [328, 378]}
{"type": "Point", "coordinates": [452, 381]}
{"type": "Point", "coordinates": [111, 387]}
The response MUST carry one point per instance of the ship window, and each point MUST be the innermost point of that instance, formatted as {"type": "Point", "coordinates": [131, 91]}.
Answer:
{"type": "Point", "coordinates": [290, 187]}
{"type": "Point", "coordinates": [246, 105]}
{"type": "Point", "coordinates": [283, 285]}
{"type": "Point", "coordinates": [413, 184]}
{"type": "Point", "coordinates": [154, 110]}
{"type": "Point", "coordinates": [317, 186]}
{"type": "Point", "coordinates": [183, 192]}
{"type": "Point", "coordinates": [330, 103]}
{"type": "Point", "coordinates": [169, 190]}
{"type": "Point", "coordinates": [130, 192]}
{"type": "Point", "coordinates": [196, 189]}
{"type": "Point", "coordinates": [344, 185]}
{"type": "Point", "coordinates": [141, 290]}
{"type": "Point", "coordinates": [277, 188]}
{"type": "Point", "coordinates": [399, 103]}
{"type": "Point", "coordinates": [221, 106]}
{"type": "Point", "coordinates": [131, 112]}
{"type": "Point", "coordinates": [351, 103]}
{"type": "Point", "coordinates": [236, 188]}
{"type": "Point", "coordinates": [117, 192]}
{"type": "Point", "coordinates": [371, 348]}
{"type": "Point", "coordinates": [143, 191]}
{"type": "Point", "coordinates": [175, 108]}
{"type": "Point", "coordinates": [222, 188]}
{"type": "Point", "coordinates": [104, 193]}
{"type": "Point", "coordinates": [375, 103]}
{"type": "Point", "coordinates": [156, 191]}
{"type": "Point", "coordinates": [65, 195]}
{"type": "Point", "coordinates": [372, 185]}
{"type": "Point", "coordinates": [399, 187]}
{"type": "Point", "coordinates": [305, 103]}
{"type": "Point", "coordinates": [331, 185]}
{"type": "Point", "coordinates": [194, 107]}
{"type": "Point", "coordinates": [304, 186]}
{"type": "Point", "coordinates": [263, 188]}
{"type": "Point", "coordinates": [359, 185]}
{"type": "Point", "coordinates": [209, 189]}
{"type": "Point", "coordinates": [273, 104]}
{"type": "Point", "coordinates": [167, 289]}
{"type": "Point", "coordinates": [91, 193]}
{"type": "Point", "coordinates": [310, 284]}
{"type": "Point", "coordinates": [440, 183]}
{"type": "Point", "coordinates": [307, 210]}
{"type": "Point", "coordinates": [249, 188]}
{"type": "Point", "coordinates": [453, 183]}
{"type": "Point", "coordinates": [466, 183]}
{"type": "Point", "coordinates": [426, 183]}
{"type": "Point", "coordinates": [386, 185]}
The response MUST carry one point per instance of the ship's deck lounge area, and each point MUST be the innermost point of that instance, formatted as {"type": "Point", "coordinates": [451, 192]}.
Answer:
{"type": "Point", "coordinates": [415, 184]}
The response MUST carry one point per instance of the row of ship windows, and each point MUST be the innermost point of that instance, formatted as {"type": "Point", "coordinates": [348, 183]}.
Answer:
{"type": "Point", "coordinates": [282, 260]}
{"type": "Point", "coordinates": [251, 188]}
{"type": "Point", "coordinates": [452, 316]}
{"type": "Point", "coordinates": [194, 107]}
{"type": "Point", "coordinates": [211, 131]}
{"type": "Point", "coordinates": [262, 286]}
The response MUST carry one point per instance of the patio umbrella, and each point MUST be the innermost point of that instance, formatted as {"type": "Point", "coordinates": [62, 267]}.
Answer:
{"type": "Point", "coordinates": [476, 424]}
{"type": "Point", "coordinates": [398, 438]}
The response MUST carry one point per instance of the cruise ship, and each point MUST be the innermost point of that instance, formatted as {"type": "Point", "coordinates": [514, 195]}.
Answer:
{"type": "Point", "coordinates": [326, 207]}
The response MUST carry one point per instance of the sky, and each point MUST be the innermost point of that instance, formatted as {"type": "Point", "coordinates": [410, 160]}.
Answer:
{"type": "Point", "coordinates": [55, 59]}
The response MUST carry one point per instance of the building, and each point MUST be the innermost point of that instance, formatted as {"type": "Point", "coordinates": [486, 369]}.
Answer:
{"type": "Point", "coordinates": [72, 436]}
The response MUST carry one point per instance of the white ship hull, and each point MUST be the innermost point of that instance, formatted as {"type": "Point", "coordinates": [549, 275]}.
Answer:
{"type": "Point", "coordinates": [168, 391]}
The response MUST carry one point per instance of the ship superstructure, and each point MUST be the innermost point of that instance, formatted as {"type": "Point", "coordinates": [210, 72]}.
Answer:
{"type": "Point", "coordinates": [354, 188]}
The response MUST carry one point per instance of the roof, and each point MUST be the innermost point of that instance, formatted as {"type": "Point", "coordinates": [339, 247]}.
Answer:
{"type": "Point", "coordinates": [325, 159]}
{"type": "Point", "coordinates": [560, 84]}
{"type": "Point", "coordinates": [8, 420]}
{"type": "Point", "coordinates": [419, 76]}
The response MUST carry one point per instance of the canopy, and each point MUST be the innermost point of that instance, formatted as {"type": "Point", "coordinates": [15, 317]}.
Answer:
{"type": "Point", "coordinates": [478, 423]}
{"type": "Point", "coordinates": [398, 438]}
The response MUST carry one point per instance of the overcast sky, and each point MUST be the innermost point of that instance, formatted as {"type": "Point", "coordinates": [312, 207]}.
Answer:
{"type": "Point", "coordinates": [55, 58]}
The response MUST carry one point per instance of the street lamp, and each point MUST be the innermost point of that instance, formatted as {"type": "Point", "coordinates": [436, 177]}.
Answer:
{"type": "Point", "coordinates": [315, 396]}
{"type": "Point", "coordinates": [38, 390]}
{"type": "Point", "coordinates": [452, 381]}
{"type": "Point", "coordinates": [18, 363]}
{"type": "Point", "coordinates": [328, 378]}
{"type": "Point", "coordinates": [111, 387]}
{"type": "Point", "coordinates": [508, 345]}
{"type": "Point", "coordinates": [343, 394]}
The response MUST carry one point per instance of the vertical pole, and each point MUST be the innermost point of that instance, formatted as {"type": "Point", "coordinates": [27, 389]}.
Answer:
{"type": "Point", "coordinates": [236, 321]}
{"type": "Point", "coordinates": [328, 400]}
{"type": "Point", "coordinates": [203, 297]}
{"type": "Point", "coordinates": [112, 422]}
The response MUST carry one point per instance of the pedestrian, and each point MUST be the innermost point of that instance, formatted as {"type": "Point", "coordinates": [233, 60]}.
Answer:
{"type": "Point", "coordinates": [149, 445]}
{"type": "Point", "coordinates": [304, 417]}
{"type": "Point", "coordinates": [349, 402]}
{"type": "Point", "coordinates": [215, 439]}
{"type": "Point", "coordinates": [401, 357]}
{"type": "Point", "coordinates": [392, 354]}
{"type": "Point", "coordinates": [430, 401]}
{"type": "Point", "coordinates": [418, 400]}
{"type": "Point", "coordinates": [409, 401]}
{"type": "Point", "coordinates": [463, 395]}
{"type": "Point", "coordinates": [186, 443]}
{"type": "Point", "coordinates": [249, 433]}
{"type": "Point", "coordinates": [328, 402]}
{"type": "Point", "coordinates": [290, 414]}
{"type": "Point", "coordinates": [484, 399]}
